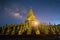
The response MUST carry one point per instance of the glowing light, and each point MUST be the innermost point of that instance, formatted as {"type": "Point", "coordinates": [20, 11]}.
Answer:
{"type": "Point", "coordinates": [35, 23]}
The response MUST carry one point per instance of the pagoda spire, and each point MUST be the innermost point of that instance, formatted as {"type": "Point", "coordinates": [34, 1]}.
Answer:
{"type": "Point", "coordinates": [31, 16]}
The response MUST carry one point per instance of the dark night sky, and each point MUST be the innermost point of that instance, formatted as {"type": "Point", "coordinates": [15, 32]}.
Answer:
{"type": "Point", "coordinates": [15, 11]}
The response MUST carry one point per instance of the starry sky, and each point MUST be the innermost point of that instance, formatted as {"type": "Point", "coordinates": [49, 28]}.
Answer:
{"type": "Point", "coordinates": [15, 11]}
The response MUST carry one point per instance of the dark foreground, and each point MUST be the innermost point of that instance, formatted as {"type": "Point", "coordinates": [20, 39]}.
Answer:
{"type": "Point", "coordinates": [29, 37]}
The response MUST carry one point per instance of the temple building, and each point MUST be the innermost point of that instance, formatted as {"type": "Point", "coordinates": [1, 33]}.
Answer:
{"type": "Point", "coordinates": [31, 21]}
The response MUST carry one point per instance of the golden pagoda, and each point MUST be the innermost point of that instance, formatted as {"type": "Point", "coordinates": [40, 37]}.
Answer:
{"type": "Point", "coordinates": [32, 22]}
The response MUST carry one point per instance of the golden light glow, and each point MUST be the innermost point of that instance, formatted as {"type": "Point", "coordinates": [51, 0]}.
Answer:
{"type": "Point", "coordinates": [35, 23]}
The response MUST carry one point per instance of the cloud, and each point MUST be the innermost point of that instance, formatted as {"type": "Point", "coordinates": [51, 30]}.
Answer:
{"type": "Point", "coordinates": [16, 15]}
{"type": "Point", "coordinates": [14, 11]}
